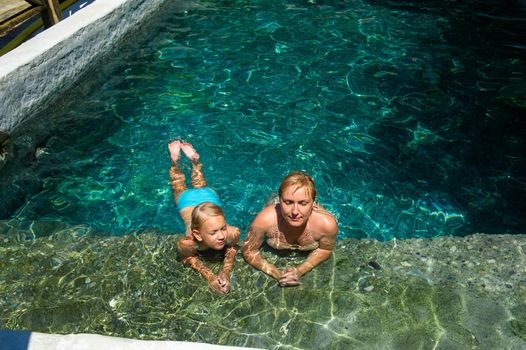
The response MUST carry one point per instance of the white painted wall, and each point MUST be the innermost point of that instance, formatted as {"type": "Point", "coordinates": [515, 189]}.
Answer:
{"type": "Point", "coordinates": [41, 341]}
{"type": "Point", "coordinates": [34, 72]}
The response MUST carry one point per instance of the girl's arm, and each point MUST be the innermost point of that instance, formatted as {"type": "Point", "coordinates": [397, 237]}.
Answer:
{"type": "Point", "coordinates": [187, 250]}
{"type": "Point", "coordinates": [231, 249]}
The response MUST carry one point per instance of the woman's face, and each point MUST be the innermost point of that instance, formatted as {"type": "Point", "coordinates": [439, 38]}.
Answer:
{"type": "Point", "coordinates": [296, 206]}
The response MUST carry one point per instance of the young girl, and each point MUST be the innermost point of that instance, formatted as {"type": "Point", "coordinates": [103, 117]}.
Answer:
{"type": "Point", "coordinates": [206, 227]}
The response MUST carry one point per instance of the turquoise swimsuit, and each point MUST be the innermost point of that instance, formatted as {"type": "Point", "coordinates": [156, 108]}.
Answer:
{"type": "Point", "coordinates": [196, 196]}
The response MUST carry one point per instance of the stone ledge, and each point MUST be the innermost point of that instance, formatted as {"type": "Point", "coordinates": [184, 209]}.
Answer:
{"type": "Point", "coordinates": [443, 293]}
{"type": "Point", "coordinates": [33, 73]}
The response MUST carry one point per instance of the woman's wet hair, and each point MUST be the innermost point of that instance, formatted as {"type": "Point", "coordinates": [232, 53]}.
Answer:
{"type": "Point", "coordinates": [298, 179]}
{"type": "Point", "coordinates": [202, 212]}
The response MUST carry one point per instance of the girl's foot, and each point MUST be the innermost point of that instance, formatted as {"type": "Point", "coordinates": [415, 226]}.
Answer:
{"type": "Point", "coordinates": [174, 148]}
{"type": "Point", "coordinates": [189, 151]}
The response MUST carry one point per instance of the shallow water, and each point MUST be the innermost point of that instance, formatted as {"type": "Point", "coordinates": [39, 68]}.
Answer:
{"type": "Point", "coordinates": [406, 114]}
{"type": "Point", "coordinates": [446, 293]}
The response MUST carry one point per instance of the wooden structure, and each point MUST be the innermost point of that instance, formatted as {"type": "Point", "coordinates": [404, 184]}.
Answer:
{"type": "Point", "coordinates": [14, 12]}
{"type": "Point", "coordinates": [49, 9]}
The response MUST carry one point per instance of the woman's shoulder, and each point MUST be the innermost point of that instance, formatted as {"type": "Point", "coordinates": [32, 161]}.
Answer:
{"type": "Point", "coordinates": [266, 217]}
{"type": "Point", "coordinates": [324, 220]}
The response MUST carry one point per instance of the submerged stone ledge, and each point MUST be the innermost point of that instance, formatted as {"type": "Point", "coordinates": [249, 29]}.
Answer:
{"type": "Point", "coordinates": [6, 148]}
{"type": "Point", "coordinates": [442, 293]}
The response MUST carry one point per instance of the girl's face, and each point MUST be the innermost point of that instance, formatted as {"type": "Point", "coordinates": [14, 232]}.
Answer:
{"type": "Point", "coordinates": [212, 233]}
{"type": "Point", "coordinates": [296, 206]}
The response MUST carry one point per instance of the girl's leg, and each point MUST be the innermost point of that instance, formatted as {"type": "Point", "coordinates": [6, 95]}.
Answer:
{"type": "Point", "coordinates": [198, 178]}
{"type": "Point", "coordinates": [177, 178]}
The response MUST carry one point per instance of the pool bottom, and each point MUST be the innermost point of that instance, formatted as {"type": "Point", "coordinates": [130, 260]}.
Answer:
{"type": "Point", "coordinates": [443, 293]}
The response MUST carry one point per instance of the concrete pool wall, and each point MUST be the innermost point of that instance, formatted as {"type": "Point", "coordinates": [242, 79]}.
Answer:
{"type": "Point", "coordinates": [33, 73]}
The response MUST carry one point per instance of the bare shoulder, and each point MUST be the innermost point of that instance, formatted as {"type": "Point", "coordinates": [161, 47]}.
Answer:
{"type": "Point", "coordinates": [324, 221]}
{"type": "Point", "coordinates": [266, 218]}
{"type": "Point", "coordinates": [233, 235]}
{"type": "Point", "coordinates": [186, 247]}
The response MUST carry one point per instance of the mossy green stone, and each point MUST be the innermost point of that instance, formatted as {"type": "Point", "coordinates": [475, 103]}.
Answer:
{"type": "Point", "coordinates": [133, 286]}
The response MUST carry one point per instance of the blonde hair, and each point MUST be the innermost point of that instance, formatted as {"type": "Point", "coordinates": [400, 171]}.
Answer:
{"type": "Point", "coordinates": [202, 212]}
{"type": "Point", "coordinates": [298, 179]}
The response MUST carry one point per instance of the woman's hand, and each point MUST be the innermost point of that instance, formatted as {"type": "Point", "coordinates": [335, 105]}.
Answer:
{"type": "Point", "coordinates": [289, 278]}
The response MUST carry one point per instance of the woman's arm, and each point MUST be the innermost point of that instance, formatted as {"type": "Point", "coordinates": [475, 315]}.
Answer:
{"type": "Point", "coordinates": [251, 253]}
{"type": "Point", "coordinates": [320, 254]}
{"type": "Point", "coordinates": [324, 251]}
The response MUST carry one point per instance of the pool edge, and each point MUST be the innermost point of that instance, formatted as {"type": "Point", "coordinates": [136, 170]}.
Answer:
{"type": "Point", "coordinates": [51, 61]}
{"type": "Point", "coordinates": [24, 340]}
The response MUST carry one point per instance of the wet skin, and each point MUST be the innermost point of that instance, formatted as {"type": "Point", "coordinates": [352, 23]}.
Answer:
{"type": "Point", "coordinates": [217, 235]}
{"type": "Point", "coordinates": [295, 223]}
{"type": "Point", "coordinates": [296, 206]}
{"type": "Point", "coordinates": [214, 232]}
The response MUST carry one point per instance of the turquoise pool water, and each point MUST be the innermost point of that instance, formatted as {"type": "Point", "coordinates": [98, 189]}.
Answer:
{"type": "Point", "coordinates": [408, 116]}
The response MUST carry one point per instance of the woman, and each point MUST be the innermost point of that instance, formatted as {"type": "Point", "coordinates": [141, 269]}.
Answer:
{"type": "Point", "coordinates": [296, 222]}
